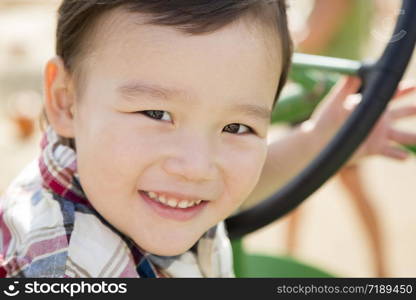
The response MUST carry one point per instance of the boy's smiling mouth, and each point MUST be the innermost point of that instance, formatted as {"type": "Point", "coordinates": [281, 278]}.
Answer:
{"type": "Point", "coordinates": [172, 201]}
{"type": "Point", "coordinates": [171, 206]}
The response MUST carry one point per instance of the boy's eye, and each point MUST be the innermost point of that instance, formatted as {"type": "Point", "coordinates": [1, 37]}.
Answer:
{"type": "Point", "coordinates": [234, 128]}
{"type": "Point", "coordinates": [238, 128]}
{"type": "Point", "coordinates": [157, 114]}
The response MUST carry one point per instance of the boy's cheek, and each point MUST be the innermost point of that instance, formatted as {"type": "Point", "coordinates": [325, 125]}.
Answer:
{"type": "Point", "coordinates": [106, 165]}
{"type": "Point", "coordinates": [245, 173]}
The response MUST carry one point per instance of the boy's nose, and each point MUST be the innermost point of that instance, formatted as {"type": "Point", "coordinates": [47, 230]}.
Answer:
{"type": "Point", "coordinates": [192, 161]}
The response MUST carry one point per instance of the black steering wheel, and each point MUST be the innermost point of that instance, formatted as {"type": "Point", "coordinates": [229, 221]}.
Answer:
{"type": "Point", "coordinates": [381, 84]}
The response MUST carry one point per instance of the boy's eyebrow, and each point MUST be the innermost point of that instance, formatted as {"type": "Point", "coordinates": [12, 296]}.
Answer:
{"type": "Point", "coordinates": [130, 90]}
{"type": "Point", "coordinates": [134, 88]}
{"type": "Point", "coordinates": [255, 111]}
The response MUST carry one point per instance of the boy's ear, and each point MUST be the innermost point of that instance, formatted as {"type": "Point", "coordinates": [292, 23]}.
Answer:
{"type": "Point", "coordinates": [59, 98]}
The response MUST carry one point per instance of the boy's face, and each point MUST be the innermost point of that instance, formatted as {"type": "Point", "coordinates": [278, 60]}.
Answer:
{"type": "Point", "coordinates": [202, 94]}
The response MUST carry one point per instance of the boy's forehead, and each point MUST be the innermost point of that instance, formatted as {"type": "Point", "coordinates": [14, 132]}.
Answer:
{"type": "Point", "coordinates": [126, 39]}
{"type": "Point", "coordinates": [119, 27]}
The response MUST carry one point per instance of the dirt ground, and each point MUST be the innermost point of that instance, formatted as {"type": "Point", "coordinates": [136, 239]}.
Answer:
{"type": "Point", "coordinates": [331, 235]}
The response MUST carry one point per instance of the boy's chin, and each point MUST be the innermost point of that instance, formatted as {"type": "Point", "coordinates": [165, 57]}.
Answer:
{"type": "Point", "coordinates": [167, 240]}
{"type": "Point", "coordinates": [168, 250]}
{"type": "Point", "coordinates": [167, 247]}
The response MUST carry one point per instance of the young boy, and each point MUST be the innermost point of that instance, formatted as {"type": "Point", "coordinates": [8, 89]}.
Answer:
{"type": "Point", "coordinates": [158, 114]}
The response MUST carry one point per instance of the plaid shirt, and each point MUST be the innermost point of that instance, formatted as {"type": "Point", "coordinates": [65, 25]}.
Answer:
{"type": "Point", "coordinates": [49, 229]}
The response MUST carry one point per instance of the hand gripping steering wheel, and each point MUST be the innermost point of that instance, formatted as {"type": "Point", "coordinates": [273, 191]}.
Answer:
{"type": "Point", "coordinates": [381, 83]}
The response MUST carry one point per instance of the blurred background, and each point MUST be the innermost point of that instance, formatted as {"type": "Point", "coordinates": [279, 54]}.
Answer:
{"type": "Point", "coordinates": [331, 234]}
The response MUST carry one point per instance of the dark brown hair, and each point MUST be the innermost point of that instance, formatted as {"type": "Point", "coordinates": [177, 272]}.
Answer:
{"type": "Point", "coordinates": [76, 17]}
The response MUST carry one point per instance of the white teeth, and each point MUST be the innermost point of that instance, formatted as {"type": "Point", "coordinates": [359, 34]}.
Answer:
{"type": "Point", "coordinates": [183, 204]}
{"type": "Point", "coordinates": [172, 202]}
{"type": "Point", "coordinates": [163, 200]}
